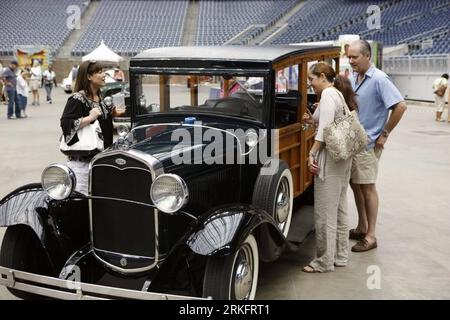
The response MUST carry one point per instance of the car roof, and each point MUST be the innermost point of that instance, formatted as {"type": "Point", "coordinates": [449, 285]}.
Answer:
{"type": "Point", "coordinates": [265, 55]}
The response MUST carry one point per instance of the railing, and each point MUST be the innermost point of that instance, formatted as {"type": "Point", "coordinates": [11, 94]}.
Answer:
{"type": "Point", "coordinates": [427, 64]}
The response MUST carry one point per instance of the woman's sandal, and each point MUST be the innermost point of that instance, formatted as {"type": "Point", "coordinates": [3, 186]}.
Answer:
{"type": "Point", "coordinates": [309, 269]}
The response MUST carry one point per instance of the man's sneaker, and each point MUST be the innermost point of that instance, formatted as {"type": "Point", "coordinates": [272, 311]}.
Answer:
{"type": "Point", "coordinates": [23, 114]}
{"type": "Point", "coordinates": [50, 101]}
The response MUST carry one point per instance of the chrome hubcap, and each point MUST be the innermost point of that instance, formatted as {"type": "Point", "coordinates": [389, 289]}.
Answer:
{"type": "Point", "coordinates": [243, 277]}
{"type": "Point", "coordinates": [283, 203]}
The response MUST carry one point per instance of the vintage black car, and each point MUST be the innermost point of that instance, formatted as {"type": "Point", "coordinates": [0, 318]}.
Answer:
{"type": "Point", "coordinates": [184, 205]}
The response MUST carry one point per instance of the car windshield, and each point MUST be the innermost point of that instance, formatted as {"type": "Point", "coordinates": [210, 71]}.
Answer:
{"type": "Point", "coordinates": [222, 94]}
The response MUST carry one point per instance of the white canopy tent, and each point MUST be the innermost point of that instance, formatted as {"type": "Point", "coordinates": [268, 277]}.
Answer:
{"type": "Point", "coordinates": [104, 54]}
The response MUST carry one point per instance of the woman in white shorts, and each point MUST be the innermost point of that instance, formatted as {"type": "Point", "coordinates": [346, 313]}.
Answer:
{"type": "Point", "coordinates": [35, 81]}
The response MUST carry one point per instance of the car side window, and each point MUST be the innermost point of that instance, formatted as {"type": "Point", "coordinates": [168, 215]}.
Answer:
{"type": "Point", "coordinates": [287, 96]}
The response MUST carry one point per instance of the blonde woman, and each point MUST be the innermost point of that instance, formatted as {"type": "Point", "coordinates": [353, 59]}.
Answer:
{"type": "Point", "coordinates": [35, 82]}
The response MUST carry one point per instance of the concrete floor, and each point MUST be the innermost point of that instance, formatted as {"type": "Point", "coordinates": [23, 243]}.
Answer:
{"type": "Point", "coordinates": [413, 257]}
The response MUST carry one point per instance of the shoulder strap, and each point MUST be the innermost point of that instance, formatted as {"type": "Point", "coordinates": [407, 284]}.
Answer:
{"type": "Point", "coordinates": [346, 109]}
{"type": "Point", "coordinates": [359, 86]}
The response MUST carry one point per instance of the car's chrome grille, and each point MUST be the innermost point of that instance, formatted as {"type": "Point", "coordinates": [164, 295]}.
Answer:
{"type": "Point", "coordinates": [123, 227]}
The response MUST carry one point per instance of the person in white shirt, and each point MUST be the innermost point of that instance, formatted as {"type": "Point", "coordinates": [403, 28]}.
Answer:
{"type": "Point", "coordinates": [49, 80]}
{"type": "Point", "coordinates": [35, 81]}
{"type": "Point", "coordinates": [439, 87]}
{"type": "Point", "coordinates": [282, 82]}
{"type": "Point", "coordinates": [22, 93]}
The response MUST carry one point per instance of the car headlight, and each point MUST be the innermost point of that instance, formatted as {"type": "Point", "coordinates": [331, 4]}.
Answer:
{"type": "Point", "coordinates": [169, 193]}
{"type": "Point", "coordinates": [251, 138]}
{"type": "Point", "coordinates": [58, 181]}
{"type": "Point", "coordinates": [108, 101]}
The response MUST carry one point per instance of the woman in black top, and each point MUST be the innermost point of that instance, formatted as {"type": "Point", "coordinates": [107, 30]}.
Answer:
{"type": "Point", "coordinates": [82, 109]}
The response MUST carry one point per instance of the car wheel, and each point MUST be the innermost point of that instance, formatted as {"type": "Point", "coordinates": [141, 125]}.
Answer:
{"type": "Point", "coordinates": [235, 276]}
{"type": "Point", "coordinates": [22, 250]}
{"type": "Point", "coordinates": [274, 193]}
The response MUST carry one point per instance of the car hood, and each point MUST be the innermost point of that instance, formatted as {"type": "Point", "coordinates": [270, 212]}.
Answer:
{"type": "Point", "coordinates": [191, 144]}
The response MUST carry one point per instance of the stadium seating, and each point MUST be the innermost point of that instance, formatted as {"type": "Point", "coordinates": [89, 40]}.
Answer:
{"type": "Point", "coordinates": [402, 21]}
{"type": "Point", "coordinates": [220, 21]}
{"type": "Point", "coordinates": [319, 17]}
{"type": "Point", "coordinates": [35, 23]}
{"type": "Point", "coordinates": [128, 27]}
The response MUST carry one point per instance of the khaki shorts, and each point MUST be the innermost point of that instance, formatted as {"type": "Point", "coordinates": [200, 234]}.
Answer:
{"type": "Point", "coordinates": [34, 84]}
{"type": "Point", "coordinates": [365, 166]}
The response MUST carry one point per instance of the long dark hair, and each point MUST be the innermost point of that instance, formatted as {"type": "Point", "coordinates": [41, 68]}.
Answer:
{"type": "Point", "coordinates": [345, 87]}
{"type": "Point", "coordinates": [82, 82]}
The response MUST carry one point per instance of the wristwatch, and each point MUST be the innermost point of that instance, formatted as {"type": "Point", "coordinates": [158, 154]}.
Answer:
{"type": "Point", "coordinates": [385, 133]}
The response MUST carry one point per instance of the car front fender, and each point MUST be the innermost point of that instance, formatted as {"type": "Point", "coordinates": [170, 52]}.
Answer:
{"type": "Point", "coordinates": [224, 229]}
{"type": "Point", "coordinates": [24, 206]}
{"type": "Point", "coordinates": [61, 226]}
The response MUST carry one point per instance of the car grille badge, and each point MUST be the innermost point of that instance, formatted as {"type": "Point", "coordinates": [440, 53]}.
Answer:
{"type": "Point", "coordinates": [120, 161]}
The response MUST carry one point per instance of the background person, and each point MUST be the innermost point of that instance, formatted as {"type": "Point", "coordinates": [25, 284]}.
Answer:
{"type": "Point", "coordinates": [448, 101]}
{"type": "Point", "coordinates": [331, 177]}
{"type": "Point", "coordinates": [82, 108]}
{"type": "Point", "coordinates": [229, 85]}
{"type": "Point", "coordinates": [74, 75]}
{"type": "Point", "coordinates": [282, 83]}
{"type": "Point", "coordinates": [35, 82]}
{"type": "Point", "coordinates": [49, 79]}
{"type": "Point", "coordinates": [9, 79]}
{"type": "Point", "coordinates": [119, 75]}
{"type": "Point", "coordinates": [22, 93]}
{"type": "Point", "coordinates": [2, 95]}
{"type": "Point", "coordinates": [439, 87]}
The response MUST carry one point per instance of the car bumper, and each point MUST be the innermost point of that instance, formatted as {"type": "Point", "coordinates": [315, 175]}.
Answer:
{"type": "Point", "coordinates": [72, 290]}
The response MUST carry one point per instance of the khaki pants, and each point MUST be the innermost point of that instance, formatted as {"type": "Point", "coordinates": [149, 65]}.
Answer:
{"type": "Point", "coordinates": [331, 215]}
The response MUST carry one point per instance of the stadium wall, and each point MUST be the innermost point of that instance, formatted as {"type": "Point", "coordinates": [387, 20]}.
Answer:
{"type": "Point", "coordinates": [414, 75]}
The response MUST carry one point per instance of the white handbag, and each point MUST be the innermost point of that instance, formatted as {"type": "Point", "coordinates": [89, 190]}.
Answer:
{"type": "Point", "coordinates": [90, 141]}
{"type": "Point", "coordinates": [345, 136]}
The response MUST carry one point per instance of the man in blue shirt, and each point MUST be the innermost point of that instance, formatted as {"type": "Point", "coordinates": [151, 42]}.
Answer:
{"type": "Point", "coordinates": [10, 78]}
{"type": "Point", "coordinates": [377, 96]}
